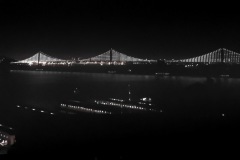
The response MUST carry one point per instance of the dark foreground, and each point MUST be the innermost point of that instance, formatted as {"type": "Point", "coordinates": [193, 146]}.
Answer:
{"type": "Point", "coordinates": [192, 124]}
{"type": "Point", "coordinates": [122, 136]}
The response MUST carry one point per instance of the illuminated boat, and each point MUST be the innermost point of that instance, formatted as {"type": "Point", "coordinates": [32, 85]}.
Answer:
{"type": "Point", "coordinates": [108, 106]}
{"type": "Point", "coordinates": [111, 106]}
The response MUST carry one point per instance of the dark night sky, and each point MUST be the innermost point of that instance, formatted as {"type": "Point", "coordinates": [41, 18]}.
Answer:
{"type": "Point", "coordinates": [140, 28]}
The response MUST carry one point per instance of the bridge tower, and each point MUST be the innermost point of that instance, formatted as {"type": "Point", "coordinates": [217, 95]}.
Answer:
{"type": "Point", "coordinates": [111, 55]}
{"type": "Point", "coordinates": [222, 55]}
{"type": "Point", "coordinates": [38, 57]}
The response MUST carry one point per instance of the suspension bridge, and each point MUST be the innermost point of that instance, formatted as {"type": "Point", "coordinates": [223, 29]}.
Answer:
{"type": "Point", "coordinates": [41, 58]}
{"type": "Point", "coordinates": [110, 57]}
{"type": "Point", "coordinates": [221, 55]}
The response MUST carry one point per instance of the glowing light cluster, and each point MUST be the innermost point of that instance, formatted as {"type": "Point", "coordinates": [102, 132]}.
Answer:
{"type": "Point", "coordinates": [146, 99]}
{"type": "Point", "coordinates": [6, 139]}
{"type": "Point", "coordinates": [3, 143]}
{"type": "Point", "coordinates": [78, 108]}
{"type": "Point", "coordinates": [3, 139]}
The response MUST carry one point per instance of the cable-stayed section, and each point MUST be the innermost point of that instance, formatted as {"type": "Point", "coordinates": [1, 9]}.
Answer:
{"type": "Point", "coordinates": [221, 55]}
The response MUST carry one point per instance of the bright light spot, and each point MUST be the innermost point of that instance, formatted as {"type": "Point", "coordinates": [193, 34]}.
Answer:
{"type": "Point", "coordinates": [223, 115]}
{"type": "Point", "coordinates": [42, 111]}
{"type": "Point", "coordinates": [33, 109]}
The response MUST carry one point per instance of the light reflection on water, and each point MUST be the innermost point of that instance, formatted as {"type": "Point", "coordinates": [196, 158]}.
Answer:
{"type": "Point", "coordinates": [47, 89]}
{"type": "Point", "coordinates": [185, 95]}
